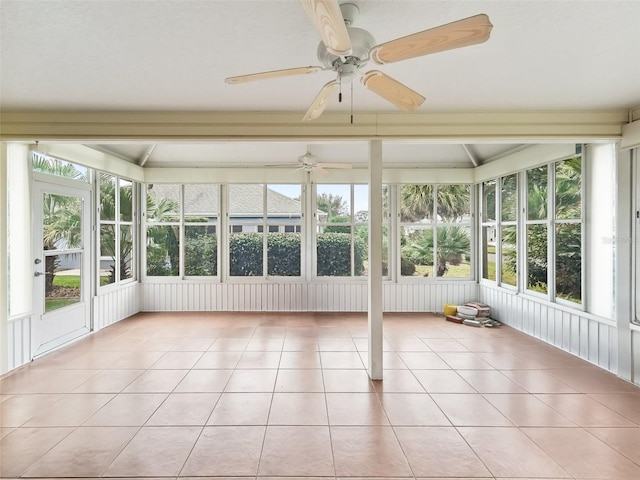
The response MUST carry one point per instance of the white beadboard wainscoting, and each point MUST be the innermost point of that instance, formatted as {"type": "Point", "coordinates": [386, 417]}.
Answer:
{"type": "Point", "coordinates": [571, 330]}
{"type": "Point", "coordinates": [111, 307]}
{"type": "Point", "coordinates": [108, 308]}
{"type": "Point", "coordinates": [317, 297]}
{"type": "Point", "coordinates": [18, 342]}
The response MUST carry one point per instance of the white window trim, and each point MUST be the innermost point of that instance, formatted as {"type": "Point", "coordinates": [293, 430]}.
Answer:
{"type": "Point", "coordinates": [434, 279]}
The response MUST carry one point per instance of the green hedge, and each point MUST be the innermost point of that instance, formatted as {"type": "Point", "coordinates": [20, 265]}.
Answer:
{"type": "Point", "coordinates": [245, 254]}
{"type": "Point", "coordinates": [283, 254]}
{"type": "Point", "coordinates": [334, 254]}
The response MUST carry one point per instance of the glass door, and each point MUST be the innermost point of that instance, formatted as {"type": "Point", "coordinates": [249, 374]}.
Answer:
{"type": "Point", "coordinates": [62, 265]}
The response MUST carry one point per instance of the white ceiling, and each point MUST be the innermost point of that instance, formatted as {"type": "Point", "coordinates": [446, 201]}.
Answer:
{"type": "Point", "coordinates": [169, 55]}
{"type": "Point", "coordinates": [396, 154]}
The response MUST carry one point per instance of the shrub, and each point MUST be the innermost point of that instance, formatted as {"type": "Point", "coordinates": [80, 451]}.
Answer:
{"type": "Point", "coordinates": [407, 266]}
{"type": "Point", "coordinates": [245, 254]}
{"type": "Point", "coordinates": [283, 254]}
{"type": "Point", "coordinates": [334, 254]}
{"type": "Point", "coordinates": [201, 255]}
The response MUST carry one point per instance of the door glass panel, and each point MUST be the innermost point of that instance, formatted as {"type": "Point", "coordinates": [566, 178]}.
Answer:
{"type": "Point", "coordinates": [61, 232]}
{"type": "Point", "coordinates": [62, 280]}
{"type": "Point", "coordinates": [62, 222]}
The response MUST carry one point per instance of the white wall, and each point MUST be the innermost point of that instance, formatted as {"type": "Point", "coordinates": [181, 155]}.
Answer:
{"type": "Point", "coordinates": [317, 297]}
{"type": "Point", "coordinates": [586, 336]}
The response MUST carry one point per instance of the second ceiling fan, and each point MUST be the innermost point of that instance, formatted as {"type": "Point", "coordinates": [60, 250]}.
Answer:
{"type": "Point", "coordinates": [346, 50]}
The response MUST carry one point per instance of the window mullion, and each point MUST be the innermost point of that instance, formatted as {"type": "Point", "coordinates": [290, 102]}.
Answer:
{"type": "Point", "coordinates": [265, 232]}
{"type": "Point", "coordinates": [551, 232]}
{"type": "Point", "coordinates": [118, 251]}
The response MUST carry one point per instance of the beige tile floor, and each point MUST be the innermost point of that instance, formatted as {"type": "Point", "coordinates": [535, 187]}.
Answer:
{"type": "Point", "coordinates": [287, 396]}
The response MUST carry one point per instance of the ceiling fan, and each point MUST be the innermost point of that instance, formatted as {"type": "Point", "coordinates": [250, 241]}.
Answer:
{"type": "Point", "coordinates": [312, 164]}
{"type": "Point", "coordinates": [346, 50]}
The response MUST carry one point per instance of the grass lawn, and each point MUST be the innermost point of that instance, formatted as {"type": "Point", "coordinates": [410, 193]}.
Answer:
{"type": "Point", "coordinates": [508, 277]}
{"type": "Point", "coordinates": [73, 281]}
{"type": "Point", "coordinates": [455, 271]}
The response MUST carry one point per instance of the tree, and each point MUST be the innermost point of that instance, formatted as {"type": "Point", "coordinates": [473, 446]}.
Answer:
{"type": "Point", "coordinates": [62, 215]}
{"type": "Point", "coordinates": [568, 236]}
{"type": "Point", "coordinates": [453, 202]}
{"type": "Point", "coordinates": [163, 252]}
{"type": "Point", "coordinates": [453, 244]}
{"type": "Point", "coordinates": [332, 205]}
{"type": "Point", "coordinates": [108, 231]}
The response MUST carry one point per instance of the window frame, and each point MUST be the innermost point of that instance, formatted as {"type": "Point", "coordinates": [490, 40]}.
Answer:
{"type": "Point", "coordinates": [550, 222]}
{"type": "Point", "coordinates": [352, 224]}
{"type": "Point", "coordinates": [118, 223]}
{"type": "Point", "coordinates": [434, 225]}
{"type": "Point", "coordinates": [262, 227]}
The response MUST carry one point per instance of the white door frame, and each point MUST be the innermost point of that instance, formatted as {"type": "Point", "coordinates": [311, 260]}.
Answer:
{"type": "Point", "coordinates": [50, 330]}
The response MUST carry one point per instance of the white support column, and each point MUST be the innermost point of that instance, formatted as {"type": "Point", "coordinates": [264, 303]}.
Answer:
{"type": "Point", "coordinates": [4, 271]}
{"type": "Point", "coordinates": [375, 260]}
{"type": "Point", "coordinates": [623, 263]}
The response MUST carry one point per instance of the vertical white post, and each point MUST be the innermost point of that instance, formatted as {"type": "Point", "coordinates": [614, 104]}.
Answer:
{"type": "Point", "coordinates": [623, 294]}
{"type": "Point", "coordinates": [4, 271]}
{"type": "Point", "coordinates": [375, 260]}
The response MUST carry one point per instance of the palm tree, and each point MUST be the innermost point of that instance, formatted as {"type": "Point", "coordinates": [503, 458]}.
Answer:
{"type": "Point", "coordinates": [453, 202]}
{"type": "Point", "coordinates": [108, 231]}
{"type": "Point", "coordinates": [453, 245]}
{"type": "Point", "coordinates": [62, 215]}
{"type": "Point", "coordinates": [163, 252]}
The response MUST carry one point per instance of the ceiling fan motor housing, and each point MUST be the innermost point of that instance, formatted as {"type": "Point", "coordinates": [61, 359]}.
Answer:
{"type": "Point", "coordinates": [361, 42]}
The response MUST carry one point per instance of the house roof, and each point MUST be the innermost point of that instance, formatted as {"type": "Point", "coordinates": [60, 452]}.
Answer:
{"type": "Point", "coordinates": [244, 200]}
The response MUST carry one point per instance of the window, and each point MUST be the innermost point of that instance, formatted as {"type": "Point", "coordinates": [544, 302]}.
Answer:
{"type": "Point", "coordinates": [435, 231]}
{"type": "Point", "coordinates": [201, 207]}
{"type": "Point", "coordinates": [342, 215]}
{"type": "Point", "coordinates": [182, 230]}
{"type": "Point", "coordinates": [553, 228]}
{"type": "Point", "coordinates": [499, 230]}
{"type": "Point", "coordinates": [117, 229]}
{"type": "Point", "coordinates": [568, 229]}
{"type": "Point", "coordinates": [537, 229]}
{"type": "Point", "coordinates": [508, 252]}
{"type": "Point", "coordinates": [254, 210]}
{"type": "Point", "coordinates": [489, 230]}
{"type": "Point", "coordinates": [163, 230]}
{"type": "Point", "coordinates": [60, 168]}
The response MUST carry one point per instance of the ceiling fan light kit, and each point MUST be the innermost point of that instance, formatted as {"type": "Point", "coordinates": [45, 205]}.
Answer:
{"type": "Point", "coordinates": [345, 50]}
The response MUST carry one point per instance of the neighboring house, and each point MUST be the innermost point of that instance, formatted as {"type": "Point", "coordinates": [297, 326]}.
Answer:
{"type": "Point", "coordinates": [246, 207]}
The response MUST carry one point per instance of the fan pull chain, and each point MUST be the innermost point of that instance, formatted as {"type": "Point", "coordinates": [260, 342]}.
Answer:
{"type": "Point", "coordinates": [351, 103]}
{"type": "Point", "coordinates": [340, 93]}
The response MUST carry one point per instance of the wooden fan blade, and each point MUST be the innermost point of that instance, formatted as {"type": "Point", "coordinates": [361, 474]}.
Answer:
{"type": "Point", "coordinates": [392, 90]}
{"type": "Point", "coordinates": [327, 20]}
{"type": "Point", "coordinates": [346, 166]}
{"type": "Point", "coordinates": [462, 33]}
{"type": "Point", "coordinates": [287, 72]}
{"type": "Point", "coordinates": [321, 171]}
{"type": "Point", "coordinates": [320, 102]}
